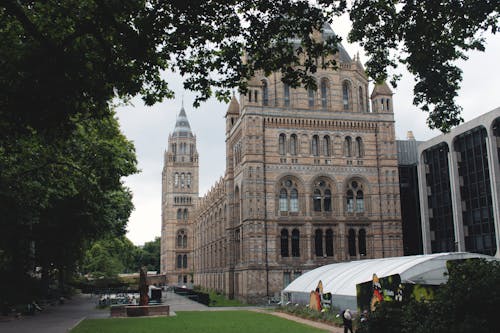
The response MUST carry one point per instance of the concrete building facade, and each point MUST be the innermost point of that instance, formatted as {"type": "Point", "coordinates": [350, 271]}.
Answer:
{"type": "Point", "coordinates": [459, 184]}
{"type": "Point", "coordinates": [311, 179]}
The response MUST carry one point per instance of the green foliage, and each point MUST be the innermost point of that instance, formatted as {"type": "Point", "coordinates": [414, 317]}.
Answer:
{"type": "Point", "coordinates": [111, 256]}
{"type": "Point", "coordinates": [217, 299]}
{"type": "Point", "coordinates": [406, 31]}
{"type": "Point", "coordinates": [386, 318]}
{"type": "Point", "coordinates": [149, 255]}
{"type": "Point", "coordinates": [100, 263]}
{"type": "Point", "coordinates": [59, 193]}
{"type": "Point", "coordinates": [466, 303]}
{"type": "Point", "coordinates": [329, 315]}
{"type": "Point", "coordinates": [197, 321]}
{"type": "Point", "coordinates": [75, 56]}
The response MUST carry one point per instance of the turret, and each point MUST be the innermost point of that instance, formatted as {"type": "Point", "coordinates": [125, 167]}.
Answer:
{"type": "Point", "coordinates": [381, 98]}
{"type": "Point", "coordinates": [232, 113]}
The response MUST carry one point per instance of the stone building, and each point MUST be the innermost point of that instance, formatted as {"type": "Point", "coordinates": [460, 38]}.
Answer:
{"type": "Point", "coordinates": [311, 178]}
{"type": "Point", "coordinates": [179, 198]}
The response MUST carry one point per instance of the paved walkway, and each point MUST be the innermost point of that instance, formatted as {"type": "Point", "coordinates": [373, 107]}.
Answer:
{"type": "Point", "coordinates": [62, 318]}
{"type": "Point", "coordinates": [56, 318]}
{"type": "Point", "coordinates": [182, 303]}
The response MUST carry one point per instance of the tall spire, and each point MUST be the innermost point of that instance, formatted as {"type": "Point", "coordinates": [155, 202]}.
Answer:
{"type": "Point", "coordinates": [182, 127]}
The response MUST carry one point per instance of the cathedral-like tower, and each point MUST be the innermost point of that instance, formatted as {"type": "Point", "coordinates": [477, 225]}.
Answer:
{"type": "Point", "coordinates": [179, 199]}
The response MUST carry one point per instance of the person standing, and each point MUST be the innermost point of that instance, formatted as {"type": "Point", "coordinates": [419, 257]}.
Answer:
{"type": "Point", "coordinates": [347, 320]}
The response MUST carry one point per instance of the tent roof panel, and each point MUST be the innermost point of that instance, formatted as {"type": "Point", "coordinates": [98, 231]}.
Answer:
{"type": "Point", "coordinates": [341, 278]}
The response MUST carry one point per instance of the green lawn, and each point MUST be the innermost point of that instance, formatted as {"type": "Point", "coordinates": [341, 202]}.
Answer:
{"type": "Point", "coordinates": [196, 321]}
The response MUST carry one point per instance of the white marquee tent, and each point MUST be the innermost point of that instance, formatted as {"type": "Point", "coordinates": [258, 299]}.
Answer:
{"type": "Point", "coordinates": [340, 279]}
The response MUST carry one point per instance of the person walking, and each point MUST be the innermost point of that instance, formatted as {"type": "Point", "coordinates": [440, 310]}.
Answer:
{"type": "Point", "coordinates": [347, 320]}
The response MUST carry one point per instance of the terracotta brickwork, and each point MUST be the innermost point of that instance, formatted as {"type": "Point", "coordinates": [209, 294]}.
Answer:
{"type": "Point", "coordinates": [311, 179]}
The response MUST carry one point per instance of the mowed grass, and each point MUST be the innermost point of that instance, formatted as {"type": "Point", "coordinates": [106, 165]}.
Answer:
{"type": "Point", "coordinates": [196, 321]}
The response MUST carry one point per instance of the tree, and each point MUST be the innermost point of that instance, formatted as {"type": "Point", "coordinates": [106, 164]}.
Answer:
{"type": "Point", "coordinates": [74, 57]}
{"type": "Point", "coordinates": [99, 262]}
{"type": "Point", "coordinates": [111, 256]}
{"type": "Point", "coordinates": [427, 37]}
{"type": "Point", "coordinates": [150, 255]}
{"type": "Point", "coordinates": [466, 303]}
{"type": "Point", "coordinates": [59, 194]}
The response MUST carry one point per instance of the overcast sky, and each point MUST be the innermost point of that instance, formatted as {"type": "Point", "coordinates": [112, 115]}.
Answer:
{"type": "Point", "coordinates": [149, 127]}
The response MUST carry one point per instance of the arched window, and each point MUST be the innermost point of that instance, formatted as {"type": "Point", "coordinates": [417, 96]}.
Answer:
{"type": "Point", "coordinates": [327, 201]}
{"type": "Point", "coordinates": [355, 201]}
{"type": "Point", "coordinates": [179, 238]}
{"type": "Point", "coordinates": [282, 139]}
{"type": "Point", "coordinates": [294, 200]}
{"type": "Point", "coordinates": [176, 179]}
{"type": "Point", "coordinates": [329, 243]}
{"type": "Point", "coordinates": [360, 203]}
{"type": "Point", "coordinates": [174, 148]}
{"type": "Point", "coordinates": [310, 95]}
{"type": "Point", "coordinates": [284, 242]}
{"type": "Point", "coordinates": [318, 242]}
{"type": "Point", "coordinates": [237, 204]}
{"type": "Point", "coordinates": [348, 146]}
{"type": "Point", "coordinates": [360, 151]}
{"type": "Point", "coordinates": [250, 96]}
{"type": "Point", "coordinates": [288, 196]}
{"type": "Point", "coordinates": [283, 200]}
{"type": "Point", "coordinates": [293, 144]}
{"type": "Point", "coordinates": [314, 147]}
{"type": "Point", "coordinates": [185, 261]}
{"type": "Point", "coordinates": [179, 261]}
{"type": "Point", "coordinates": [185, 214]}
{"type": "Point", "coordinates": [387, 101]}
{"type": "Point", "coordinates": [286, 94]}
{"type": "Point", "coordinates": [324, 93]}
{"type": "Point", "coordinates": [362, 242]}
{"type": "Point", "coordinates": [352, 242]}
{"type": "Point", "coordinates": [322, 196]}
{"type": "Point", "coordinates": [265, 93]}
{"type": "Point", "coordinates": [326, 145]}
{"type": "Point", "coordinates": [189, 180]}
{"type": "Point", "coordinates": [346, 94]}
{"type": "Point", "coordinates": [256, 94]}
{"type": "Point", "coordinates": [184, 241]}
{"type": "Point", "coordinates": [317, 200]}
{"type": "Point", "coordinates": [350, 201]}
{"type": "Point", "coordinates": [179, 214]}
{"type": "Point", "coordinates": [361, 101]}
{"type": "Point", "coordinates": [182, 180]}
{"type": "Point", "coordinates": [295, 243]}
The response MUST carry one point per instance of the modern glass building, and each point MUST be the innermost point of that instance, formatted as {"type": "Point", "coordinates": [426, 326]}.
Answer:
{"type": "Point", "coordinates": [459, 183]}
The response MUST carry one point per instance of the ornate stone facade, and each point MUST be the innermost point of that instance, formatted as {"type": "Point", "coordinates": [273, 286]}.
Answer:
{"type": "Point", "coordinates": [311, 179]}
{"type": "Point", "coordinates": [179, 199]}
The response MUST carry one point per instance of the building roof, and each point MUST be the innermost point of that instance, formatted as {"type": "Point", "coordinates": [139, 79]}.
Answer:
{"type": "Point", "coordinates": [381, 89]}
{"type": "Point", "coordinates": [182, 127]}
{"type": "Point", "coordinates": [234, 106]}
{"type": "Point", "coordinates": [341, 278]}
{"type": "Point", "coordinates": [327, 32]}
{"type": "Point", "coordinates": [407, 151]}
